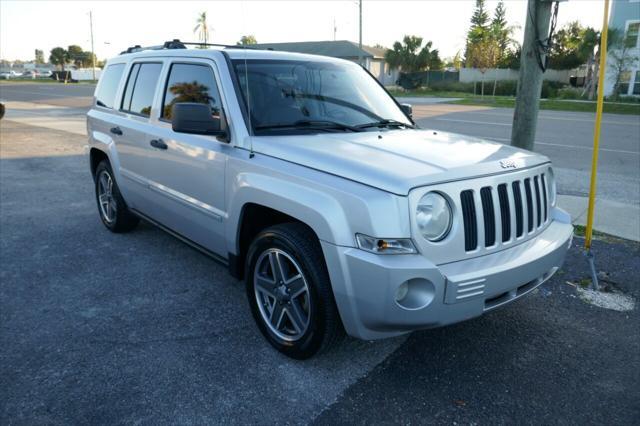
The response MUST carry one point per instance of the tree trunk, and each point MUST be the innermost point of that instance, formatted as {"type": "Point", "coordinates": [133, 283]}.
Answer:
{"type": "Point", "coordinates": [587, 82]}
{"type": "Point", "coordinates": [594, 79]}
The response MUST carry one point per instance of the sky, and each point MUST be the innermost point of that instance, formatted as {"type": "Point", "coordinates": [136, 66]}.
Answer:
{"type": "Point", "coordinates": [27, 25]}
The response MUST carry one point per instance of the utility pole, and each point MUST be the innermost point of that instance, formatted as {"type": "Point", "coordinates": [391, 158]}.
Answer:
{"type": "Point", "coordinates": [532, 63]}
{"type": "Point", "coordinates": [360, 38]}
{"type": "Point", "coordinates": [93, 55]}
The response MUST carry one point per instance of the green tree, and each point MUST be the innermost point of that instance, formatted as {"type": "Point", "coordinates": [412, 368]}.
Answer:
{"type": "Point", "coordinates": [202, 27]}
{"type": "Point", "coordinates": [571, 46]}
{"type": "Point", "coordinates": [76, 55]}
{"type": "Point", "coordinates": [478, 33]}
{"type": "Point", "coordinates": [410, 56]}
{"type": "Point", "coordinates": [39, 56]}
{"type": "Point", "coordinates": [59, 57]}
{"type": "Point", "coordinates": [479, 23]}
{"type": "Point", "coordinates": [247, 40]}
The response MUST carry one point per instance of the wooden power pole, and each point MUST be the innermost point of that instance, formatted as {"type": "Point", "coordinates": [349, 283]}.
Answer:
{"type": "Point", "coordinates": [360, 37]}
{"type": "Point", "coordinates": [532, 64]}
{"type": "Point", "coordinates": [93, 54]}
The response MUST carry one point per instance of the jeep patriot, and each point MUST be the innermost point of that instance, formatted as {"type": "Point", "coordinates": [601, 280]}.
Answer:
{"type": "Point", "coordinates": [312, 184]}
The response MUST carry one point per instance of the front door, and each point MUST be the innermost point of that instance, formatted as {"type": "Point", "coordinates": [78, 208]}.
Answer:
{"type": "Point", "coordinates": [187, 172]}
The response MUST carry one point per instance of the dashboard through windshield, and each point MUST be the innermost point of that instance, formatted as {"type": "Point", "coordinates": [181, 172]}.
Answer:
{"type": "Point", "coordinates": [309, 96]}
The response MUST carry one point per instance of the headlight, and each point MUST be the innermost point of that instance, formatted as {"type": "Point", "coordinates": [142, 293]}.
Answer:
{"type": "Point", "coordinates": [551, 183]}
{"type": "Point", "coordinates": [385, 245]}
{"type": "Point", "coordinates": [434, 216]}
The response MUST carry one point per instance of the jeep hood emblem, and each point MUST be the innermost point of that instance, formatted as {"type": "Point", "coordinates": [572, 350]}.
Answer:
{"type": "Point", "coordinates": [508, 164]}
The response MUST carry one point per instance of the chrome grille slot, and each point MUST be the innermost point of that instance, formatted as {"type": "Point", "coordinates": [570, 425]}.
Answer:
{"type": "Point", "coordinates": [469, 220]}
{"type": "Point", "coordinates": [544, 195]}
{"type": "Point", "coordinates": [527, 190]}
{"type": "Point", "coordinates": [489, 217]}
{"type": "Point", "coordinates": [505, 214]}
{"type": "Point", "coordinates": [517, 198]}
{"type": "Point", "coordinates": [538, 204]}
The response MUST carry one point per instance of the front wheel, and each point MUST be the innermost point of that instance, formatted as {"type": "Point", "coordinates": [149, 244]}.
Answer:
{"type": "Point", "coordinates": [290, 293]}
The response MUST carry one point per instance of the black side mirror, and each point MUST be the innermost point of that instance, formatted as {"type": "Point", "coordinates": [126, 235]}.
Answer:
{"type": "Point", "coordinates": [407, 109]}
{"type": "Point", "coordinates": [196, 118]}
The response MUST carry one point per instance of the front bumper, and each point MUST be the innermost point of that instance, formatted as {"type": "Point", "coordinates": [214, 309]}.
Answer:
{"type": "Point", "coordinates": [365, 284]}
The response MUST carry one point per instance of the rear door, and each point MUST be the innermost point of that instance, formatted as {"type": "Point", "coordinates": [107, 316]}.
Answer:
{"type": "Point", "coordinates": [187, 171]}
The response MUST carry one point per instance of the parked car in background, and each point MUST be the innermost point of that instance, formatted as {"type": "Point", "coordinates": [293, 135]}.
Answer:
{"type": "Point", "coordinates": [9, 74]}
{"type": "Point", "coordinates": [305, 177]}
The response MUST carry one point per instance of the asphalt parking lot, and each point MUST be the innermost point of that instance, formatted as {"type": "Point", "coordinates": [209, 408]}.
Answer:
{"type": "Point", "coordinates": [139, 328]}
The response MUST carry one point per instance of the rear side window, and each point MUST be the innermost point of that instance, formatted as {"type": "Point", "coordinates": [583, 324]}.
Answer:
{"type": "Point", "coordinates": [190, 83]}
{"type": "Point", "coordinates": [141, 86]}
{"type": "Point", "coordinates": [106, 94]}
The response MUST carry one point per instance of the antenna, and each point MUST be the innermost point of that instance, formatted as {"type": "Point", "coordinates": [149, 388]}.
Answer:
{"type": "Point", "coordinates": [246, 82]}
{"type": "Point", "coordinates": [335, 29]}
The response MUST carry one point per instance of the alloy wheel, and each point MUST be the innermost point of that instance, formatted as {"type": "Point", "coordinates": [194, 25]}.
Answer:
{"type": "Point", "coordinates": [282, 294]}
{"type": "Point", "coordinates": [108, 205]}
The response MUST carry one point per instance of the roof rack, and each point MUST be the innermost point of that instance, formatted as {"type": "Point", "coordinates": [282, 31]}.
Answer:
{"type": "Point", "coordinates": [177, 44]}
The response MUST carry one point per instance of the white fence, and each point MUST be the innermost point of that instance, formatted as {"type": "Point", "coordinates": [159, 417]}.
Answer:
{"type": "Point", "coordinates": [470, 75]}
{"type": "Point", "coordinates": [85, 74]}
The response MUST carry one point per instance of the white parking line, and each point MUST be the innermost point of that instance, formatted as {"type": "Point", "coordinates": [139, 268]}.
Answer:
{"type": "Point", "coordinates": [40, 93]}
{"type": "Point", "coordinates": [474, 122]}
{"type": "Point", "coordinates": [620, 151]}
{"type": "Point", "coordinates": [509, 115]}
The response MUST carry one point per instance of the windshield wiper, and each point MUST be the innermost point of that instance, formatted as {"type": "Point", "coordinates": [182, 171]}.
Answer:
{"type": "Point", "coordinates": [312, 125]}
{"type": "Point", "coordinates": [387, 122]}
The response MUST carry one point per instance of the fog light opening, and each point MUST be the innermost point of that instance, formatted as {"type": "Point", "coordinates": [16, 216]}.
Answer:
{"type": "Point", "coordinates": [415, 294]}
{"type": "Point", "coordinates": [402, 291]}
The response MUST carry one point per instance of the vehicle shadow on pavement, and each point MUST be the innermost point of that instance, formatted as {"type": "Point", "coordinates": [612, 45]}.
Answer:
{"type": "Point", "coordinates": [549, 358]}
{"type": "Point", "coordinates": [121, 328]}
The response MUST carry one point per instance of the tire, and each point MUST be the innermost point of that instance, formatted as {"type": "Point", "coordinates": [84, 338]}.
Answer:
{"type": "Point", "coordinates": [296, 247]}
{"type": "Point", "coordinates": [120, 220]}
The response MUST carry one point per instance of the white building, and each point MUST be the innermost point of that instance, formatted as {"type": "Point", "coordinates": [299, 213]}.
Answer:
{"type": "Point", "coordinates": [625, 16]}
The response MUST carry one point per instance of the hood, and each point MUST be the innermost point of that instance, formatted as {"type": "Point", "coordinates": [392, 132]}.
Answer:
{"type": "Point", "coordinates": [398, 160]}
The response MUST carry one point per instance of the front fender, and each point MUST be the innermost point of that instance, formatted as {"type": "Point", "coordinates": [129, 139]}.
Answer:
{"type": "Point", "coordinates": [323, 213]}
{"type": "Point", "coordinates": [334, 207]}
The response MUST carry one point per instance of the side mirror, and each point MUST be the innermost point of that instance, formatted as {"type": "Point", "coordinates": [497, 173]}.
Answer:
{"type": "Point", "coordinates": [196, 118]}
{"type": "Point", "coordinates": [407, 109]}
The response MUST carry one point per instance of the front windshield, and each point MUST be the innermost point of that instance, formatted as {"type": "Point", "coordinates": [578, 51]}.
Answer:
{"type": "Point", "coordinates": [298, 96]}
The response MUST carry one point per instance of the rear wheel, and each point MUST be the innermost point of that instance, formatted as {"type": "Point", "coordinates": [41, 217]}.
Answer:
{"type": "Point", "coordinates": [290, 293]}
{"type": "Point", "coordinates": [113, 210]}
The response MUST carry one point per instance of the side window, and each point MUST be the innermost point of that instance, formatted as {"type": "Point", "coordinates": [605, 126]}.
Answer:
{"type": "Point", "coordinates": [190, 83]}
{"type": "Point", "coordinates": [141, 86]}
{"type": "Point", "coordinates": [106, 94]}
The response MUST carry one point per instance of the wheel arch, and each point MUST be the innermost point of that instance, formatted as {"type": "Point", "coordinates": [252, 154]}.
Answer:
{"type": "Point", "coordinates": [262, 201]}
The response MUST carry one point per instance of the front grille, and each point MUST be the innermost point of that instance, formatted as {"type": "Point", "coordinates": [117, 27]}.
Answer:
{"type": "Point", "coordinates": [504, 220]}
{"type": "Point", "coordinates": [469, 220]}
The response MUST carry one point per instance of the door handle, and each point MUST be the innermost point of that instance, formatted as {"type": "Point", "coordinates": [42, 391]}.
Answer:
{"type": "Point", "coordinates": [116, 131]}
{"type": "Point", "coordinates": [158, 143]}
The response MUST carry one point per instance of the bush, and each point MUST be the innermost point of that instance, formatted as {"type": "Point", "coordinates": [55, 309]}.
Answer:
{"type": "Point", "coordinates": [570, 93]}
{"type": "Point", "coordinates": [626, 99]}
{"type": "Point", "coordinates": [550, 89]}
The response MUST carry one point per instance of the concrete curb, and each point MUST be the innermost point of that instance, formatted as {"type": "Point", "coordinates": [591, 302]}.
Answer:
{"type": "Point", "coordinates": [611, 217]}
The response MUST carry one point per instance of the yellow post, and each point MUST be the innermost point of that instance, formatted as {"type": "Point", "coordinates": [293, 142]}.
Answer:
{"type": "Point", "coordinates": [596, 131]}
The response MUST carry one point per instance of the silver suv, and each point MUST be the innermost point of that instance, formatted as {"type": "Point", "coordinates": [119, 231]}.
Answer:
{"type": "Point", "coordinates": [305, 177]}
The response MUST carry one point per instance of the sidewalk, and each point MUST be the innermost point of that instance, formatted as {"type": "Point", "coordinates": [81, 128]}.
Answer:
{"type": "Point", "coordinates": [55, 117]}
{"type": "Point", "coordinates": [611, 217]}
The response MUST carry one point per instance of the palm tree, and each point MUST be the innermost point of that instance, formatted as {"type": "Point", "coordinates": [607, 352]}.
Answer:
{"type": "Point", "coordinates": [202, 28]}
